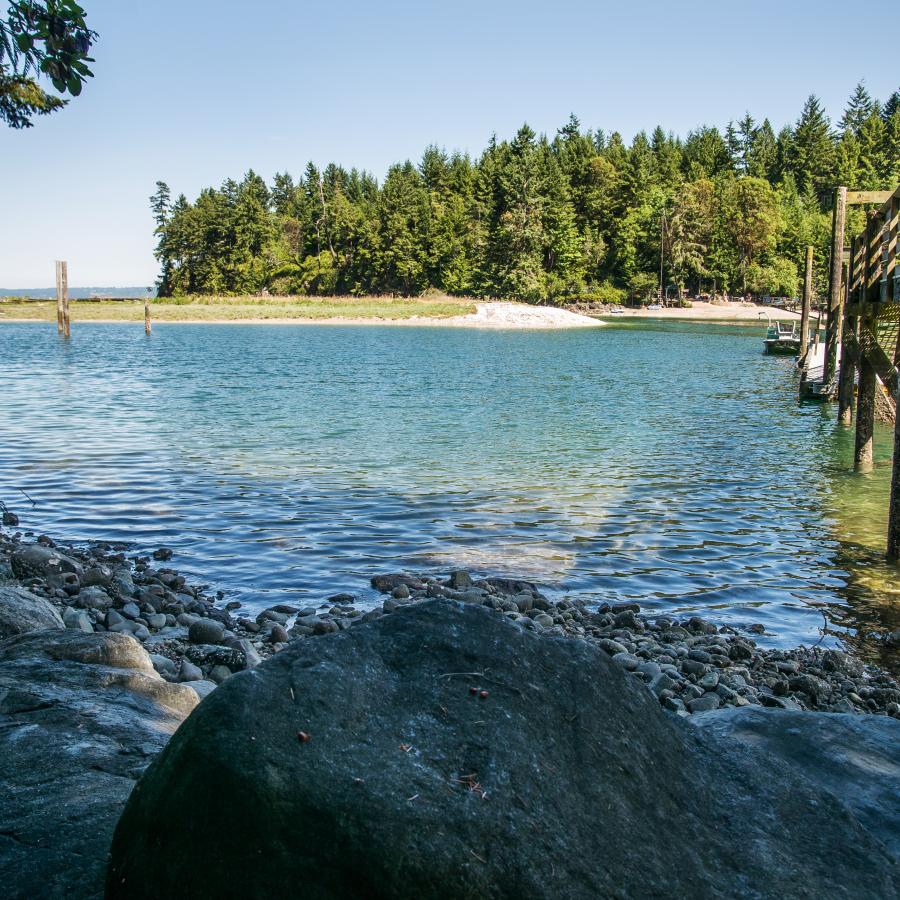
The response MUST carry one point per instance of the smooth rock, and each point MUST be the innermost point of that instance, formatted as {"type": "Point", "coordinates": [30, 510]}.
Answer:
{"type": "Point", "coordinates": [35, 561]}
{"type": "Point", "coordinates": [78, 619]}
{"type": "Point", "coordinates": [187, 671]}
{"type": "Point", "coordinates": [94, 597]}
{"type": "Point", "coordinates": [460, 579]}
{"type": "Point", "coordinates": [82, 716]}
{"type": "Point", "coordinates": [387, 583]}
{"type": "Point", "coordinates": [202, 687]}
{"type": "Point", "coordinates": [278, 634]}
{"type": "Point", "coordinates": [363, 766]}
{"type": "Point", "coordinates": [856, 758]}
{"type": "Point", "coordinates": [96, 576]}
{"type": "Point", "coordinates": [21, 612]}
{"type": "Point", "coordinates": [163, 664]}
{"type": "Point", "coordinates": [218, 674]}
{"type": "Point", "coordinates": [704, 703]}
{"type": "Point", "coordinates": [206, 631]}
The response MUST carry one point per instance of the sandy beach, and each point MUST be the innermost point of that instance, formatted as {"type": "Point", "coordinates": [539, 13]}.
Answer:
{"type": "Point", "coordinates": [709, 312]}
{"type": "Point", "coordinates": [491, 315]}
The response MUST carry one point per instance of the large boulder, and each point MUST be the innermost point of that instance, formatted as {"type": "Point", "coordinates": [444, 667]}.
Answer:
{"type": "Point", "coordinates": [21, 612]}
{"type": "Point", "coordinates": [81, 716]}
{"type": "Point", "coordinates": [443, 751]}
{"type": "Point", "coordinates": [856, 758]}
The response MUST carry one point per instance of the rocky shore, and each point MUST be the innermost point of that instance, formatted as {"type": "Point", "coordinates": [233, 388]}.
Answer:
{"type": "Point", "coordinates": [690, 665]}
{"type": "Point", "coordinates": [450, 714]}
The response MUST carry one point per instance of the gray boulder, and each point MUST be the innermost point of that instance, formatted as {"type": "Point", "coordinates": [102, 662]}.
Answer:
{"type": "Point", "coordinates": [443, 751]}
{"type": "Point", "coordinates": [36, 561]}
{"type": "Point", "coordinates": [21, 612]}
{"type": "Point", "coordinates": [81, 716]}
{"type": "Point", "coordinates": [856, 758]}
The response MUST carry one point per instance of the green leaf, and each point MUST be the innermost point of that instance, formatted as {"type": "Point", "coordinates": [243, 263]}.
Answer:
{"type": "Point", "coordinates": [74, 84]}
{"type": "Point", "coordinates": [59, 84]}
{"type": "Point", "coordinates": [25, 42]}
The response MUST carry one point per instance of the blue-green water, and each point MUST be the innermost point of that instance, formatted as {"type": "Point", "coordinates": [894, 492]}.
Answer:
{"type": "Point", "coordinates": [667, 463]}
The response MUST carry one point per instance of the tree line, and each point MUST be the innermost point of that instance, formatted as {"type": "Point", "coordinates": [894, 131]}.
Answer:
{"type": "Point", "coordinates": [581, 215]}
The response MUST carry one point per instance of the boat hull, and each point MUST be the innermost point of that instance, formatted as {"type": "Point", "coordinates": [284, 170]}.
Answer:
{"type": "Point", "coordinates": [785, 347]}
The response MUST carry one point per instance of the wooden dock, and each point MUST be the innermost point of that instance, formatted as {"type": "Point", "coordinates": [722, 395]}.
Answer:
{"type": "Point", "coordinates": [858, 363]}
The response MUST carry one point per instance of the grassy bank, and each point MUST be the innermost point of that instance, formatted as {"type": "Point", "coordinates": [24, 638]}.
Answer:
{"type": "Point", "coordinates": [227, 309]}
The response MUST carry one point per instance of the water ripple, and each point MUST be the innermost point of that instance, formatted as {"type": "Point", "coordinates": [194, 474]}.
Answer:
{"type": "Point", "coordinates": [671, 466]}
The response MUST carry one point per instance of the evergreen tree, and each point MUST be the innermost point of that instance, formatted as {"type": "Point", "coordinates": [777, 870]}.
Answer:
{"type": "Point", "coordinates": [811, 155]}
{"type": "Point", "coordinates": [746, 133]}
{"type": "Point", "coordinates": [762, 154]}
{"type": "Point", "coordinates": [859, 108]}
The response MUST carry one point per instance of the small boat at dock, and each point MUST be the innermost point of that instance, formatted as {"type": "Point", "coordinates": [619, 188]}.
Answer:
{"type": "Point", "coordinates": [782, 339]}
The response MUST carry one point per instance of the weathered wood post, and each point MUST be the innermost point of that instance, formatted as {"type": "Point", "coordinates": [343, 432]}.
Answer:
{"type": "Point", "coordinates": [147, 327]}
{"type": "Point", "coordinates": [893, 537]}
{"type": "Point", "coordinates": [847, 375]}
{"type": "Point", "coordinates": [865, 415]}
{"type": "Point", "coordinates": [64, 279]}
{"type": "Point", "coordinates": [835, 294]}
{"type": "Point", "coordinates": [59, 297]}
{"type": "Point", "coordinates": [892, 276]}
{"type": "Point", "coordinates": [804, 313]}
{"type": "Point", "coordinates": [846, 381]}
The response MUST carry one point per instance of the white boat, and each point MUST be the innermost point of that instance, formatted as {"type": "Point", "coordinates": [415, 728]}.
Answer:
{"type": "Point", "coordinates": [782, 339]}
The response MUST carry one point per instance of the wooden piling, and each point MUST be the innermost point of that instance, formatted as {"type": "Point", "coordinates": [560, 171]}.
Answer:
{"type": "Point", "coordinates": [807, 303]}
{"type": "Point", "coordinates": [147, 327]}
{"type": "Point", "coordinates": [847, 375]}
{"type": "Point", "coordinates": [64, 280]}
{"type": "Point", "coordinates": [835, 291]}
{"type": "Point", "coordinates": [865, 416]}
{"type": "Point", "coordinates": [893, 537]}
{"type": "Point", "coordinates": [846, 381]}
{"type": "Point", "coordinates": [59, 297]}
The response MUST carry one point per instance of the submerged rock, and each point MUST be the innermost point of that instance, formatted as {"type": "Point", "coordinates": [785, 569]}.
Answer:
{"type": "Point", "coordinates": [81, 716]}
{"type": "Point", "coordinates": [444, 750]}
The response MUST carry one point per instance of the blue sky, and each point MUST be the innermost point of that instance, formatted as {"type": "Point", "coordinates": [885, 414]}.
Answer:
{"type": "Point", "coordinates": [193, 92]}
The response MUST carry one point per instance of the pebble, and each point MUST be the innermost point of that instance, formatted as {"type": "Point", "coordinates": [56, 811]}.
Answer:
{"type": "Point", "coordinates": [163, 664]}
{"type": "Point", "coordinates": [219, 673]}
{"type": "Point", "coordinates": [206, 631]}
{"type": "Point", "coordinates": [704, 703]}
{"type": "Point", "coordinates": [77, 619]}
{"type": "Point", "coordinates": [278, 634]}
{"type": "Point", "coordinates": [189, 672]}
{"type": "Point", "coordinates": [627, 661]}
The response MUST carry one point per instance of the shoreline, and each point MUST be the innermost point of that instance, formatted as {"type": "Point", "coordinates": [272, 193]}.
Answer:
{"type": "Point", "coordinates": [714, 313]}
{"type": "Point", "coordinates": [106, 653]}
{"type": "Point", "coordinates": [688, 663]}
{"type": "Point", "coordinates": [488, 315]}
{"type": "Point", "coordinates": [499, 316]}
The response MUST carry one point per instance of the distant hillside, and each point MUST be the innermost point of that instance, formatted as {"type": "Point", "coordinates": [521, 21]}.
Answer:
{"type": "Point", "coordinates": [80, 293]}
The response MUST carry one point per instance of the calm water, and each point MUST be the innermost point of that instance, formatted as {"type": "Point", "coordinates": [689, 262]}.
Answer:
{"type": "Point", "coordinates": [664, 463]}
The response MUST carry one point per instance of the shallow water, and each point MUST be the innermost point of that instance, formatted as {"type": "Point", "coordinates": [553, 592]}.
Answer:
{"type": "Point", "coordinates": [663, 462]}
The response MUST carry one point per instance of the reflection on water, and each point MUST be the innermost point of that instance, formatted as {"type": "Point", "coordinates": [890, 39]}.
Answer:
{"type": "Point", "coordinates": [664, 463]}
